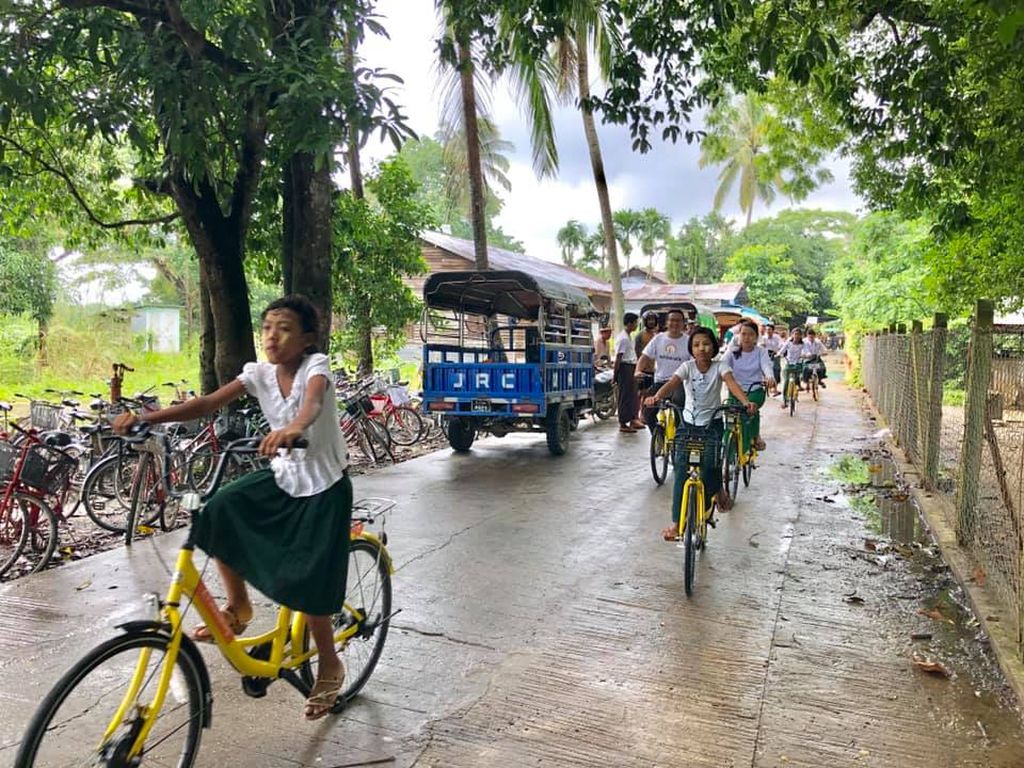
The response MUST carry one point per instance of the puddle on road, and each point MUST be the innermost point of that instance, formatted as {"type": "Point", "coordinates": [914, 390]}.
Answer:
{"type": "Point", "coordinates": [925, 597]}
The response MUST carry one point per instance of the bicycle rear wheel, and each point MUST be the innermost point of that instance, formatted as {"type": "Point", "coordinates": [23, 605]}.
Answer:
{"type": "Point", "coordinates": [13, 534]}
{"type": "Point", "coordinates": [367, 594]}
{"type": "Point", "coordinates": [404, 425]}
{"type": "Point", "coordinates": [792, 397]}
{"type": "Point", "coordinates": [68, 726]}
{"type": "Point", "coordinates": [659, 454]}
{"type": "Point", "coordinates": [814, 387]}
{"type": "Point", "coordinates": [690, 542]}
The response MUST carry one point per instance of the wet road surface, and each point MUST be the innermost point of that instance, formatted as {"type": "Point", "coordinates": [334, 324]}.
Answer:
{"type": "Point", "coordinates": [544, 622]}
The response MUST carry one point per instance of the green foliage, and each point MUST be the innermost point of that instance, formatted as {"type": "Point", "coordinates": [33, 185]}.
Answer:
{"type": "Point", "coordinates": [28, 282]}
{"type": "Point", "coordinates": [82, 344]}
{"type": "Point", "coordinates": [773, 285]}
{"type": "Point", "coordinates": [881, 278]}
{"type": "Point", "coordinates": [811, 240]}
{"type": "Point", "coordinates": [442, 185]}
{"type": "Point", "coordinates": [699, 250]}
{"type": "Point", "coordinates": [375, 247]}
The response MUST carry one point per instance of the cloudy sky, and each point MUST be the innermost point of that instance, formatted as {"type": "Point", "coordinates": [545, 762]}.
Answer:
{"type": "Point", "coordinates": [666, 178]}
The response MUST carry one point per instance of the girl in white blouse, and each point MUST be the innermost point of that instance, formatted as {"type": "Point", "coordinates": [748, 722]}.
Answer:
{"type": "Point", "coordinates": [753, 369]}
{"type": "Point", "coordinates": [703, 378]}
{"type": "Point", "coordinates": [285, 530]}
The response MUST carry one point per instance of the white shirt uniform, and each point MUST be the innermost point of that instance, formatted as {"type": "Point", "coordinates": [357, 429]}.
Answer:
{"type": "Point", "coordinates": [750, 368]}
{"type": "Point", "coordinates": [668, 354]}
{"type": "Point", "coordinates": [772, 343]}
{"type": "Point", "coordinates": [793, 352]}
{"type": "Point", "coordinates": [813, 348]}
{"type": "Point", "coordinates": [703, 390]}
{"type": "Point", "coordinates": [305, 472]}
{"type": "Point", "coordinates": [624, 347]}
{"type": "Point", "coordinates": [733, 335]}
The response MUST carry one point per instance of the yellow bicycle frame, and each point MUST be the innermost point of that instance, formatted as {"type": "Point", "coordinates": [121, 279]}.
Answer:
{"type": "Point", "coordinates": [283, 656]}
{"type": "Point", "coordinates": [693, 484]}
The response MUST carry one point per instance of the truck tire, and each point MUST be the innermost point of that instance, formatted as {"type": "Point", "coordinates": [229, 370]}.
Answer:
{"type": "Point", "coordinates": [461, 434]}
{"type": "Point", "coordinates": [558, 429]}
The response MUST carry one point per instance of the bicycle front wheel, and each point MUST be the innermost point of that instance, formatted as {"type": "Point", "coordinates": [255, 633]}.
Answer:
{"type": "Point", "coordinates": [659, 454]}
{"type": "Point", "coordinates": [68, 727]}
{"type": "Point", "coordinates": [106, 492]}
{"type": "Point", "coordinates": [731, 464]}
{"type": "Point", "coordinates": [748, 470]}
{"type": "Point", "coordinates": [690, 541]}
{"type": "Point", "coordinates": [368, 608]}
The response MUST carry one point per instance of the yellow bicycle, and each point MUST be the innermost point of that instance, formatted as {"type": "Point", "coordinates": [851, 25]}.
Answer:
{"type": "Point", "coordinates": [736, 460]}
{"type": "Point", "coordinates": [662, 435]}
{"type": "Point", "coordinates": [792, 389]}
{"type": "Point", "coordinates": [144, 696]}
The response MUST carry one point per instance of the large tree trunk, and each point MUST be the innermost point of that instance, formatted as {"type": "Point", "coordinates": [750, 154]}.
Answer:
{"type": "Point", "coordinates": [218, 240]}
{"type": "Point", "coordinates": [207, 338]}
{"type": "Point", "coordinates": [306, 228]}
{"type": "Point", "coordinates": [476, 177]}
{"type": "Point", "coordinates": [601, 182]}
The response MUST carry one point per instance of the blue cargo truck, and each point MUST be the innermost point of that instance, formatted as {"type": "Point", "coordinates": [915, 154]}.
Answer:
{"type": "Point", "coordinates": [506, 352]}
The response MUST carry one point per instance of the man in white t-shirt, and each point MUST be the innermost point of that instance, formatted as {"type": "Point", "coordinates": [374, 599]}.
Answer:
{"type": "Point", "coordinates": [663, 355]}
{"type": "Point", "coordinates": [625, 369]}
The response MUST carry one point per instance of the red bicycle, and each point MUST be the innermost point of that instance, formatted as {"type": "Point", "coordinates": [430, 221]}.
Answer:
{"type": "Point", "coordinates": [36, 479]}
{"type": "Point", "coordinates": [403, 424]}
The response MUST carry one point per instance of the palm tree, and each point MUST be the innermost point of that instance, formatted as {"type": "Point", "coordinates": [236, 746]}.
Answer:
{"type": "Point", "coordinates": [571, 237]}
{"type": "Point", "coordinates": [494, 163]}
{"type": "Point", "coordinates": [567, 71]}
{"type": "Point", "coordinates": [594, 251]}
{"type": "Point", "coordinates": [737, 136]}
{"type": "Point", "coordinates": [457, 38]}
{"type": "Point", "coordinates": [655, 229]}
{"type": "Point", "coordinates": [627, 227]}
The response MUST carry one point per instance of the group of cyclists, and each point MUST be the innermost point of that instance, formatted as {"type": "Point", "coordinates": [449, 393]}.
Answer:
{"type": "Point", "coordinates": [688, 365]}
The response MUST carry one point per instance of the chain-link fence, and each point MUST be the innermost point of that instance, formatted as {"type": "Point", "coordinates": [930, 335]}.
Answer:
{"type": "Point", "coordinates": [954, 402]}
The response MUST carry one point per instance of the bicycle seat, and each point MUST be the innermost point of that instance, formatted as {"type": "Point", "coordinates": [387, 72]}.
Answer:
{"type": "Point", "coordinates": [57, 439]}
{"type": "Point", "coordinates": [5, 406]}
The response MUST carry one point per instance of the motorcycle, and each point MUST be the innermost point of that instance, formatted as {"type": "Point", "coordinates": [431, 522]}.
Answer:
{"type": "Point", "coordinates": [606, 394]}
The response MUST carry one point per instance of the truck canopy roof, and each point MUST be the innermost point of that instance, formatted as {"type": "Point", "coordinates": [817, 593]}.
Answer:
{"type": "Point", "coordinates": [503, 292]}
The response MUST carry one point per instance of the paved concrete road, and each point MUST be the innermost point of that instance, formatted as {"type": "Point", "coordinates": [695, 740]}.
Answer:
{"type": "Point", "coordinates": [545, 623]}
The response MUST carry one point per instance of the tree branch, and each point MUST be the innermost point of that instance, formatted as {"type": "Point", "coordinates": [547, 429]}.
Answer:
{"type": "Point", "coordinates": [142, 10]}
{"type": "Point", "coordinates": [198, 46]}
{"type": "Point", "coordinates": [70, 184]}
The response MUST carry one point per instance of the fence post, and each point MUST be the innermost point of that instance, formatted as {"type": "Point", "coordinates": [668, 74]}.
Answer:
{"type": "Point", "coordinates": [979, 371]}
{"type": "Point", "coordinates": [938, 370]}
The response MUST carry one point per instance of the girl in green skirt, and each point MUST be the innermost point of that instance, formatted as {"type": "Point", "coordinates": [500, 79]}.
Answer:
{"type": "Point", "coordinates": [753, 368]}
{"type": "Point", "coordinates": [285, 530]}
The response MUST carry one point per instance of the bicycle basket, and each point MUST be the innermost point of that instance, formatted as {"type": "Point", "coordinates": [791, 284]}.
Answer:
{"type": "Point", "coordinates": [231, 425]}
{"type": "Point", "coordinates": [364, 404]}
{"type": "Point", "coordinates": [45, 415]}
{"type": "Point", "coordinates": [47, 469]}
{"type": "Point", "coordinates": [8, 460]}
{"type": "Point", "coordinates": [691, 441]}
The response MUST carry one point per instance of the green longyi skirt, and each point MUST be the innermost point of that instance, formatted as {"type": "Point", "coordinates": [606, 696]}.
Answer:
{"type": "Point", "coordinates": [293, 550]}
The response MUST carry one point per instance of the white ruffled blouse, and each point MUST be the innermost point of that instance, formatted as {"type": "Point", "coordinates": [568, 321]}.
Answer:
{"type": "Point", "coordinates": [305, 472]}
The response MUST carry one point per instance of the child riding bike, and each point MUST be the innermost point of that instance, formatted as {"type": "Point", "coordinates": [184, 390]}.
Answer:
{"type": "Point", "coordinates": [752, 367]}
{"type": "Point", "coordinates": [702, 378]}
{"type": "Point", "coordinates": [297, 512]}
{"type": "Point", "coordinates": [793, 352]}
{"type": "Point", "coordinates": [665, 353]}
{"type": "Point", "coordinates": [813, 351]}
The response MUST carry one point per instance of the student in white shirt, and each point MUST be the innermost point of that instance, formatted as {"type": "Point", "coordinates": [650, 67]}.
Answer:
{"type": "Point", "coordinates": [702, 377]}
{"type": "Point", "coordinates": [813, 351]}
{"type": "Point", "coordinates": [772, 343]}
{"type": "Point", "coordinates": [663, 355]}
{"type": "Point", "coordinates": [752, 368]}
{"type": "Point", "coordinates": [793, 352]}
{"type": "Point", "coordinates": [625, 368]}
{"type": "Point", "coordinates": [285, 530]}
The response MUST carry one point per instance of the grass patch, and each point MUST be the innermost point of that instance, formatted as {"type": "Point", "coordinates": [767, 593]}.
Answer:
{"type": "Point", "coordinates": [864, 505]}
{"type": "Point", "coordinates": [953, 396]}
{"type": "Point", "coordinates": [850, 469]}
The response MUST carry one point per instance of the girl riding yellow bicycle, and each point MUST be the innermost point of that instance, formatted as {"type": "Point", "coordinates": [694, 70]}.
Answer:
{"type": "Point", "coordinates": [702, 377]}
{"type": "Point", "coordinates": [285, 530]}
{"type": "Point", "coordinates": [753, 369]}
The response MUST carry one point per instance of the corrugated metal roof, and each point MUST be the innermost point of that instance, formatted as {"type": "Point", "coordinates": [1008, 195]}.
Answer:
{"type": "Point", "coordinates": [502, 259]}
{"type": "Point", "coordinates": [701, 292]}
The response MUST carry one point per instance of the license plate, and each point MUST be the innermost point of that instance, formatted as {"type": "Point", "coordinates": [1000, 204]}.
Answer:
{"type": "Point", "coordinates": [481, 405]}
